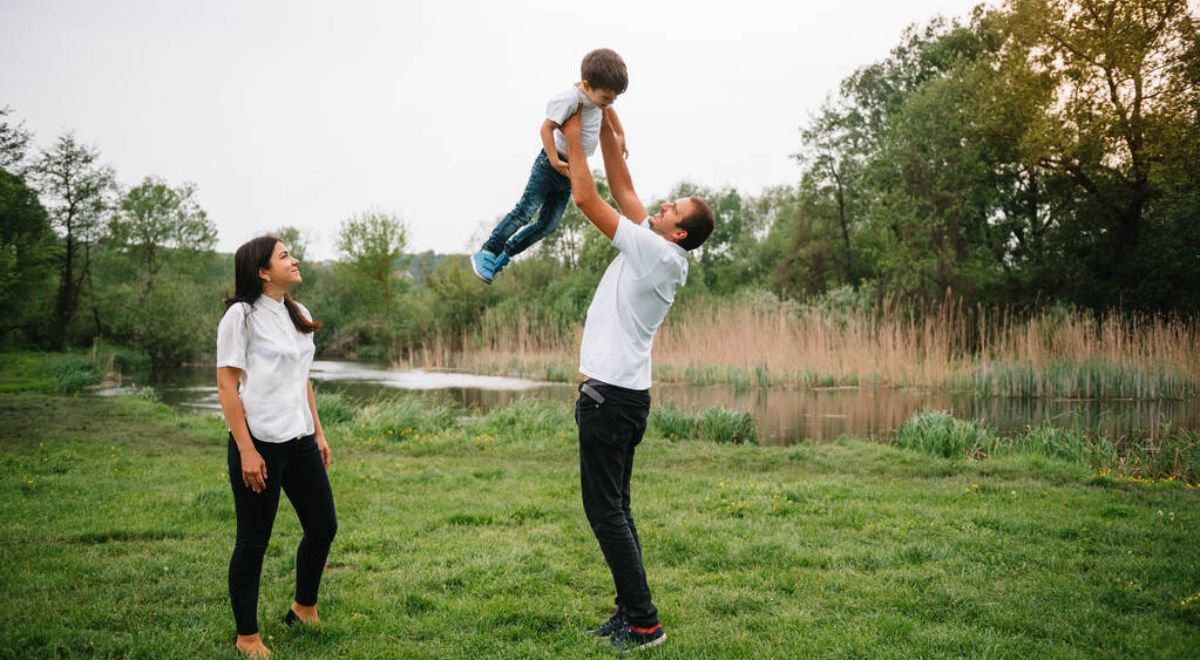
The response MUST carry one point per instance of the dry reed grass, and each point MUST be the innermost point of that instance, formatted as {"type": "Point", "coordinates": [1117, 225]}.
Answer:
{"type": "Point", "coordinates": [1055, 352]}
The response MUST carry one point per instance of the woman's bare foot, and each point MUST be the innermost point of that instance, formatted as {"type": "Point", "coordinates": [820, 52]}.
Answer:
{"type": "Point", "coordinates": [252, 646]}
{"type": "Point", "coordinates": [307, 613]}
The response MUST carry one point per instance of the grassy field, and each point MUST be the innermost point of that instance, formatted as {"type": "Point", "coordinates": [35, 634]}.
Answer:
{"type": "Point", "coordinates": [465, 538]}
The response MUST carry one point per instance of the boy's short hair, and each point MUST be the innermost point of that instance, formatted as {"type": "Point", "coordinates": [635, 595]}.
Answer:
{"type": "Point", "coordinates": [698, 225]}
{"type": "Point", "coordinates": [604, 69]}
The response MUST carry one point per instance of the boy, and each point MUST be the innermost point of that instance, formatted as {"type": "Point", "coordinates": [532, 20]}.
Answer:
{"type": "Point", "coordinates": [604, 79]}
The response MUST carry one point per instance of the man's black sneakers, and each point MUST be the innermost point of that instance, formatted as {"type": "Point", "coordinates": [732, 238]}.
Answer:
{"type": "Point", "coordinates": [631, 638]}
{"type": "Point", "coordinates": [615, 622]}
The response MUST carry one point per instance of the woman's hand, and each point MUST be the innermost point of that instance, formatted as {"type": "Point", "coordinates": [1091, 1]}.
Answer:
{"type": "Point", "coordinates": [254, 471]}
{"type": "Point", "coordinates": [323, 447]}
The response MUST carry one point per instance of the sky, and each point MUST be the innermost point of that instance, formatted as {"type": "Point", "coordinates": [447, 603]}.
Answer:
{"type": "Point", "coordinates": [307, 113]}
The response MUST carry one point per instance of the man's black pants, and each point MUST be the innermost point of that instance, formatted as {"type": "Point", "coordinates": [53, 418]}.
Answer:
{"type": "Point", "coordinates": [609, 431]}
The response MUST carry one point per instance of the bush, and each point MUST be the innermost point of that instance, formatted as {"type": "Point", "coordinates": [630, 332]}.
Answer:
{"type": "Point", "coordinates": [939, 433]}
{"type": "Point", "coordinates": [527, 419]}
{"type": "Point", "coordinates": [1070, 444]}
{"type": "Point", "coordinates": [727, 427]}
{"type": "Point", "coordinates": [714, 424]}
{"type": "Point", "coordinates": [172, 322]}
{"type": "Point", "coordinates": [48, 372]}
{"type": "Point", "coordinates": [403, 418]}
{"type": "Point", "coordinates": [672, 423]}
{"type": "Point", "coordinates": [334, 408]}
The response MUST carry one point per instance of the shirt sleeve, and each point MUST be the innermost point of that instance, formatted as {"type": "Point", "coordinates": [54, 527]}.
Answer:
{"type": "Point", "coordinates": [562, 106]}
{"type": "Point", "coordinates": [643, 249]}
{"type": "Point", "coordinates": [233, 337]}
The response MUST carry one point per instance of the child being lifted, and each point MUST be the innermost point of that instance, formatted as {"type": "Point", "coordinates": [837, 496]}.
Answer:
{"type": "Point", "coordinates": [549, 188]}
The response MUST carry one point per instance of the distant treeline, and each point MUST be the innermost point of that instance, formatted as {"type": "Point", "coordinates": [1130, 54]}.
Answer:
{"type": "Point", "coordinates": [1039, 152]}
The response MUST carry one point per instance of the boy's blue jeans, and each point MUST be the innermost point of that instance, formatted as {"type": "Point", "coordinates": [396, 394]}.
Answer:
{"type": "Point", "coordinates": [546, 189]}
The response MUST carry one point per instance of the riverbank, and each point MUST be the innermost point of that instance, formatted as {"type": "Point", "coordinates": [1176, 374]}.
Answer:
{"type": "Point", "coordinates": [464, 538]}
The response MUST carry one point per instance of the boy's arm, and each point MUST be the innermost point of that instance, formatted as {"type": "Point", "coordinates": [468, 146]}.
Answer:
{"type": "Point", "coordinates": [610, 113]}
{"type": "Point", "coordinates": [548, 127]}
{"type": "Point", "coordinates": [582, 186]}
{"type": "Point", "coordinates": [619, 182]}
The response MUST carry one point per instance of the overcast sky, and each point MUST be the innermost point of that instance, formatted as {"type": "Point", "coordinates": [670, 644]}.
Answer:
{"type": "Point", "coordinates": [306, 113]}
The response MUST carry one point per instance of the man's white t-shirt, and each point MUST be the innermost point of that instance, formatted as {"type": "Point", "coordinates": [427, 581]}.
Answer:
{"type": "Point", "coordinates": [275, 358]}
{"type": "Point", "coordinates": [630, 303]}
{"type": "Point", "coordinates": [562, 106]}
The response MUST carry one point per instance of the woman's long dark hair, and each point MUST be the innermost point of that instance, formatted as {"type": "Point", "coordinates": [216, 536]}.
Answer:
{"type": "Point", "coordinates": [251, 256]}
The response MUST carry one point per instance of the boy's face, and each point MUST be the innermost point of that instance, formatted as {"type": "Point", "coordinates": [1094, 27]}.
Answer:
{"type": "Point", "coordinates": [601, 98]}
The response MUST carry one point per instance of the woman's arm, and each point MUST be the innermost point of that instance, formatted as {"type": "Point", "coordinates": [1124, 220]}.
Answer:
{"type": "Point", "coordinates": [322, 444]}
{"type": "Point", "coordinates": [254, 469]}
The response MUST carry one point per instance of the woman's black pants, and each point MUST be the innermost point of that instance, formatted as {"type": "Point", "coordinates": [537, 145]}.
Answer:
{"type": "Point", "coordinates": [296, 468]}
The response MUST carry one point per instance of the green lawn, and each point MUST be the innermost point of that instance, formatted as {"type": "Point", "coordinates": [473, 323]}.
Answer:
{"type": "Point", "coordinates": [471, 542]}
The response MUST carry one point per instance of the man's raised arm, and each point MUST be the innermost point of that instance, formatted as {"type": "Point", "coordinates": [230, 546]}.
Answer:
{"type": "Point", "coordinates": [583, 188]}
{"type": "Point", "coordinates": [620, 184]}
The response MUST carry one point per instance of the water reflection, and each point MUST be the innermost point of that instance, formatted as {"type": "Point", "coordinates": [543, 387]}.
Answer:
{"type": "Point", "coordinates": [783, 416]}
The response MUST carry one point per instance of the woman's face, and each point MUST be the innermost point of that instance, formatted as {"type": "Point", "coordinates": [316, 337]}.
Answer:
{"type": "Point", "coordinates": [282, 272]}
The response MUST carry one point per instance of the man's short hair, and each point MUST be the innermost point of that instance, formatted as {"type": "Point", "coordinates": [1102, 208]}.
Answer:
{"type": "Point", "coordinates": [698, 224]}
{"type": "Point", "coordinates": [604, 69]}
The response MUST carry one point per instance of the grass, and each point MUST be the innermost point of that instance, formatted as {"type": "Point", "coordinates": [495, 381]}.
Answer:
{"type": "Point", "coordinates": [469, 541]}
{"type": "Point", "coordinates": [1174, 455]}
{"type": "Point", "coordinates": [62, 373]}
{"type": "Point", "coordinates": [713, 424]}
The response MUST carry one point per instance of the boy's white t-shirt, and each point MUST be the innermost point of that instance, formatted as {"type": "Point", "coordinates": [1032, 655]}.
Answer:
{"type": "Point", "coordinates": [562, 106]}
{"type": "Point", "coordinates": [629, 305]}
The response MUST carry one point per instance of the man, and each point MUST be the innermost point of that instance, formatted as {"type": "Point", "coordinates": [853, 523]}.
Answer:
{"type": "Point", "coordinates": [614, 401]}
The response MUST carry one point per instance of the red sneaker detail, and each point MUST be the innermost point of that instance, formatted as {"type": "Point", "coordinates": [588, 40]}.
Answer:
{"type": "Point", "coordinates": [646, 631]}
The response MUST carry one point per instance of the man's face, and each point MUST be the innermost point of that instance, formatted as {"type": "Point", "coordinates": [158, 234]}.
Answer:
{"type": "Point", "coordinates": [665, 223]}
{"type": "Point", "coordinates": [601, 98]}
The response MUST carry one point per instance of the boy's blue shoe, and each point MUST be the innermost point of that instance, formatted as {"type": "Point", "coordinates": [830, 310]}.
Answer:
{"type": "Point", "coordinates": [631, 638]}
{"type": "Point", "coordinates": [500, 262]}
{"type": "Point", "coordinates": [483, 263]}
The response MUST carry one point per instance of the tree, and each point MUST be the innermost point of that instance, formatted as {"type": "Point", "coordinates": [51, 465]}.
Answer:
{"type": "Point", "coordinates": [153, 217]}
{"type": "Point", "coordinates": [14, 142]}
{"type": "Point", "coordinates": [1045, 148]}
{"type": "Point", "coordinates": [834, 158]}
{"type": "Point", "coordinates": [26, 239]}
{"type": "Point", "coordinates": [371, 245]}
{"type": "Point", "coordinates": [79, 193]}
{"type": "Point", "coordinates": [26, 255]}
{"type": "Point", "coordinates": [1123, 112]}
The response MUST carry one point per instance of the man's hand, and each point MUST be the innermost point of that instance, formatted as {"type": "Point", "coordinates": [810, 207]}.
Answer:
{"type": "Point", "coordinates": [610, 120]}
{"type": "Point", "coordinates": [570, 128]}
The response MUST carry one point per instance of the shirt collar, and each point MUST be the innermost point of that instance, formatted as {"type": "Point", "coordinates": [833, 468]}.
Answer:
{"type": "Point", "coordinates": [267, 302]}
{"type": "Point", "coordinates": [583, 98]}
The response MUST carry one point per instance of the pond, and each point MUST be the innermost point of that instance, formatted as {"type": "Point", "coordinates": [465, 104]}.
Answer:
{"type": "Point", "coordinates": [783, 416]}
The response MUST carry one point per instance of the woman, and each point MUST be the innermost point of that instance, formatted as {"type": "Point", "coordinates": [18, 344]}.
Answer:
{"type": "Point", "coordinates": [264, 351]}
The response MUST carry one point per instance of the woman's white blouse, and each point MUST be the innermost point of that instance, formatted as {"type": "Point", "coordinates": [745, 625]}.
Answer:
{"type": "Point", "coordinates": [274, 357]}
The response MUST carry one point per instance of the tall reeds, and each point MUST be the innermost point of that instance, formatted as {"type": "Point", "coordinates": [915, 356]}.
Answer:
{"type": "Point", "coordinates": [1056, 352]}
